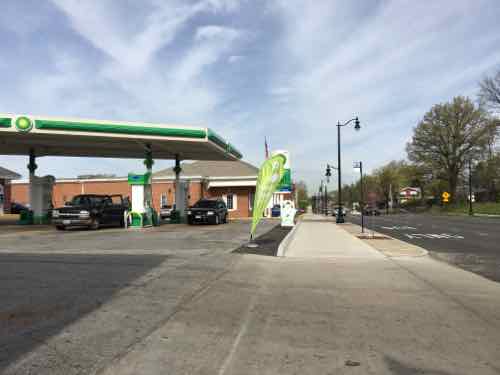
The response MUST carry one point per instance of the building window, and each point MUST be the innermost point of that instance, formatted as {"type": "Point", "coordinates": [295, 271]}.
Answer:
{"type": "Point", "coordinates": [231, 201]}
{"type": "Point", "coordinates": [163, 200]}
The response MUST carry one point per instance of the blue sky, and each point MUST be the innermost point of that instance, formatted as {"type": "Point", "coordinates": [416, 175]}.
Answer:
{"type": "Point", "coordinates": [287, 70]}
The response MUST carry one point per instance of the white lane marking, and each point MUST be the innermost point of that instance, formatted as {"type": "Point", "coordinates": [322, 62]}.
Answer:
{"type": "Point", "coordinates": [396, 227]}
{"type": "Point", "coordinates": [434, 236]}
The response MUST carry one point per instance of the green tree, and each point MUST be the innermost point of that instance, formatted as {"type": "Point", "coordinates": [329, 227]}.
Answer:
{"type": "Point", "coordinates": [302, 197]}
{"type": "Point", "coordinates": [448, 135]}
{"type": "Point", "coordinates": [389, 179]}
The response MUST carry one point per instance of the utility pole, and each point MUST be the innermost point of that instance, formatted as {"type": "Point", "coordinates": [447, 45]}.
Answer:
{"type": "Point", "coordinates": [471, 211]}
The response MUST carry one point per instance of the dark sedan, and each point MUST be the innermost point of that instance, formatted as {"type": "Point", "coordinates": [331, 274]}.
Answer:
{"type": "Point", "coordinates": [208, 211]}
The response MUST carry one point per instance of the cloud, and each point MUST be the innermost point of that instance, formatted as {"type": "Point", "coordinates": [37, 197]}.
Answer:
{"type": "Point", "coordinates": [287, 70]}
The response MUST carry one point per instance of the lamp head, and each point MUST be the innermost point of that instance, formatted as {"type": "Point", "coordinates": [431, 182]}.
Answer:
{"type": "Point", "coordinates": [356, 124]}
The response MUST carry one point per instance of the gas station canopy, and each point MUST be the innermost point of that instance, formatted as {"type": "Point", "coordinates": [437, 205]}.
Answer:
{"type": "Point", "coordinates": [49, 136]}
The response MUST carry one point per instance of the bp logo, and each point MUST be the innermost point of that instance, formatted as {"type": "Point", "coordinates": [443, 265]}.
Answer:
{"type": "Point", "coordinates": [23, 124]}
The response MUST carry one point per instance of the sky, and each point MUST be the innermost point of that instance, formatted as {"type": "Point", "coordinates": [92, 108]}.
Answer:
{"type": "Point", "coordinates": [285, 70]}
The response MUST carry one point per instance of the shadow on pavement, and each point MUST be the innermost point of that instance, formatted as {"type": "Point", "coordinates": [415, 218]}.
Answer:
{"type": "Point", "coordinates": [41, 294]}
{"type": "Point", "coordinates": [398, 367]}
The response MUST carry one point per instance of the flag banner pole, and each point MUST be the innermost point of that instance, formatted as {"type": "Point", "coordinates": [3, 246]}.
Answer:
{"type": "Point", "coordinates": [270, 175]}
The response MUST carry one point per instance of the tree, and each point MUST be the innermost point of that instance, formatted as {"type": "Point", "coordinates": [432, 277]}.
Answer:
{"type": "Point", "coordinates": [448, 135]}
{"type": "Point", "coordinates": [388, 179]}
{"type": "Point", "coordinates": [490, 91]}
{"type": "Point", "coordinates": [302, 198]}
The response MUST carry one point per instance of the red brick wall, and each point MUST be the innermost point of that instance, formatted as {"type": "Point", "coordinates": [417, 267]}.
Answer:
{"type": "Point", "coordinates": [242, 196]}
{"type": "Point", "coordinates": [64, 191]}
{"type": "Point", "coordinates": [160, 188]}
{"type": "Point", "coordinates": [20, 193]}
{"type": "Point", "coordinates": [7, 191]}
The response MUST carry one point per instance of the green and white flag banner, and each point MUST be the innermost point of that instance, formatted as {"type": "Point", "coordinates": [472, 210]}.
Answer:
{"type": "Point", "coordinates": [270, 174]}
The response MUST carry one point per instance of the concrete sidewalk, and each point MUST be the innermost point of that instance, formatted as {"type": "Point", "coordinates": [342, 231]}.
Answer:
{"type": "Point", "coordinates": [334, 306]}
{"type": "Point", "coordinates": [319, 238]}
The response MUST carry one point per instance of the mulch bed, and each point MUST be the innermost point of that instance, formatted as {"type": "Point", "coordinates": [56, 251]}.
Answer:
{"type": "Point", "coordinates": [268, 242]}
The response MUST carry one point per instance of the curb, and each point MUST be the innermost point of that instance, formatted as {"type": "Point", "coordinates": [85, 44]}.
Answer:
{"type": "Point", "coordinates": [423, 252]}
{"type": "Point", "coordinates": [286, 241]}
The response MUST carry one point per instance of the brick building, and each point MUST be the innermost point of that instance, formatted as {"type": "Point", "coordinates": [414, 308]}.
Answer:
{"type": "Point", "coordinates": [5, 188]}
{"type": "Point", "coordinates": [234, 181]}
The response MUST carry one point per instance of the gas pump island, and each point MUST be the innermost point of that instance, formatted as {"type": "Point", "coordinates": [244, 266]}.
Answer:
{"type": "Point", "coordinates": [49, 136]}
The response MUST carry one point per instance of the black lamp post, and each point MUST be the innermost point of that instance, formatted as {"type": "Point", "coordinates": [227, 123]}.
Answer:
{"type": "Point", "coordinates": [359, 164]}
{"type": "Point", "coordinates": [340, 217]}
{"type": "Point", "coordinates": [328, 174]}
{"type": "Point", "coordinates": [471, 211]}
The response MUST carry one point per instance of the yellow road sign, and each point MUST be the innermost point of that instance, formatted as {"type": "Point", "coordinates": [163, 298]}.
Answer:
{"type": "Point", "coordinates": [446, 196]}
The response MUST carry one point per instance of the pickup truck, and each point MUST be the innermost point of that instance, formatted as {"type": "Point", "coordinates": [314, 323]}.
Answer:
{"type": "Point", "coordinates": [92, 211]}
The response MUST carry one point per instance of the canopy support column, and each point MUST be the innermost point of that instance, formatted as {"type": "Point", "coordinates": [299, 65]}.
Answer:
{"type": "Point", "coordinates": [180, 190]}
{"type": "Point", "coordinates": [27, 217]}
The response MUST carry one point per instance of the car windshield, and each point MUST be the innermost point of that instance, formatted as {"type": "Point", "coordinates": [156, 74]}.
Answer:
{"type": "Point", "coordinates": [86, 199]}
{"type": "Point", "coordinates": [205, 204]}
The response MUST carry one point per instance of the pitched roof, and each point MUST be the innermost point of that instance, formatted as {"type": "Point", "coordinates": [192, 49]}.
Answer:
{"type": "Point", "coordinates": [8, 174]}
{"type": "Point", "coordinates": [208, 168]}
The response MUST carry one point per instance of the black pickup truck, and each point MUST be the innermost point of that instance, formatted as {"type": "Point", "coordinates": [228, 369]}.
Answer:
{"type": "Point", "coordinates": [92, 211]}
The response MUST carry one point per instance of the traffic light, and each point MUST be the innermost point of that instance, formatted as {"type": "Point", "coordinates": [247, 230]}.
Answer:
{"type": "Point", "coordinates": [328, 173]}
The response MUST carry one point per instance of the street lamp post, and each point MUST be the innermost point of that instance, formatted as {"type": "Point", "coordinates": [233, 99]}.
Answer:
{"type": "Point", "coordinates": [328, 174]}
{"type": "Point", "coordinates": [359, 164]}
{"type": "Point", "coordinates": [340, 217]}
{"type": "Point", "coordinates": [471, 211]}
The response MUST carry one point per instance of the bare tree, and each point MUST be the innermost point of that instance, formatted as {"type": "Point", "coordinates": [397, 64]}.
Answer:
{"type": "Point", "coordinates": [449, 135]}
{"type": "Point", "coordinates": [490, 92]}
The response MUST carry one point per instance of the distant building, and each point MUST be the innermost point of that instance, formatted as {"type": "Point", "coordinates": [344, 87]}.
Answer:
{"type": "Point", "coordinates": [5, 188]}
{"type": "Point", "coordinates": [409, 193]}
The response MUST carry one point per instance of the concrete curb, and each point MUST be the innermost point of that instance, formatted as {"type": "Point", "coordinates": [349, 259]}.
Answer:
{"type": "Point", "coordinates": [286, 241]}
{"type": "Point", "coordinates": [423, 252]}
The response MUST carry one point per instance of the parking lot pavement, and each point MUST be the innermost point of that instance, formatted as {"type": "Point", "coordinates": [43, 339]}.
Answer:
{"type": "Point", "coordinates": [73, 301]}
{"type": "Point", "coordinates": [471, 243]}
{"type": "Point", "coordinates": [340, 314]}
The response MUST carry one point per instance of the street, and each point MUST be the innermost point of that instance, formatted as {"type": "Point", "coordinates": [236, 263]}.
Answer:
{"type": "Point", "coordinates": [472, 243]}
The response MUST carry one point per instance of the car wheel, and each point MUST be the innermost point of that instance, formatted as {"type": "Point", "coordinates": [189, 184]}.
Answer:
{"type": "Point", "coordinates": [60, 227]}
{"type": "Point", "coordinates": [95, 224]}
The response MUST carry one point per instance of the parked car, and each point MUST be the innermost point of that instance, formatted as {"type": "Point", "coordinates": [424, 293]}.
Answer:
{"type": "Point", "coordinates": [166, 212]}
{"type": "Point", "coordinates": [276, 211]}
{"type": "Point", "coordinates": [92, 211]}
{"type": "Point", "coordinates": [16, 208]}
{"type": "Point", "coordinates": [209, 211]}
{"type": "Point", "coordinates": [371, 211]}
{"type": "Point", "coordinates": [336, 211]}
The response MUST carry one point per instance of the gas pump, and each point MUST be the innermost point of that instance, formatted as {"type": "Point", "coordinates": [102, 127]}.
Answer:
{"type": "Point", "coordinates": [142, 213]}
{"type": "Point", "coordinates": [40, 200]}
{"type": "Point", "coordinates": [181, 200]}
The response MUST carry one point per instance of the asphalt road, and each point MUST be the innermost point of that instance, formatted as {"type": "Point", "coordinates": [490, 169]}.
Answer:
{"type": "Point", "coordinates": [472, 243]}
{"type": "Point", "coordinates": [73, 301]}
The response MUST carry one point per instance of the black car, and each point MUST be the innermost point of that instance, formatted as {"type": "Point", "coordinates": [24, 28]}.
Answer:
{"type": "Point", "coordinates": [92, 211]}
{"type": "Point", "coordinates": [209, 211]}
{"type": "Point", "coordinates": [16, 208]}
{"type": "Point", "coordinates": [276, 211]}
{"type": "Point", "coordinates": [371, 211]}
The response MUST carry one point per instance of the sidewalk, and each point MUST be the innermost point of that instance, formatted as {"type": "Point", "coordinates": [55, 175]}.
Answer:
{"type": "Point", "coordinates": [334, 305]}
{"type": "Point", "coordinates": [319, 237]}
